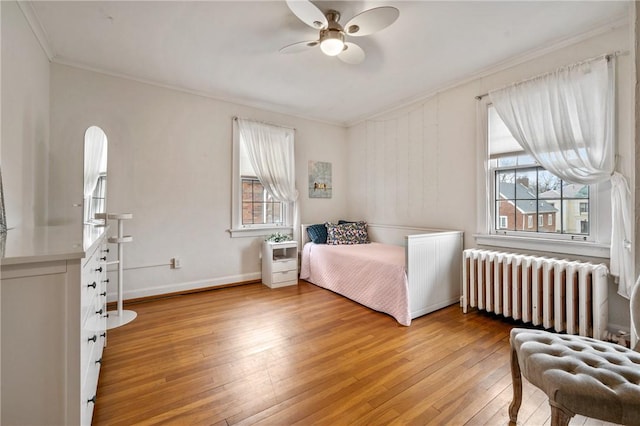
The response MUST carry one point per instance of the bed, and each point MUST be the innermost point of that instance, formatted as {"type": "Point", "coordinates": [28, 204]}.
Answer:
{"type": "Point", "coordinates": [404, 272]}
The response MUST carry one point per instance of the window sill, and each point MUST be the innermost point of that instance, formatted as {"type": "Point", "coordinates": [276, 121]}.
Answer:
{"type": "Point", "coordinates": [580, 248]}
{"type": "Point", "coordinates": [258, 232]}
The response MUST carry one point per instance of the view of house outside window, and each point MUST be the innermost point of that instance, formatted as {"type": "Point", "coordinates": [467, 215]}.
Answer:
{"type": "Point", "coordinates": [526, 193]}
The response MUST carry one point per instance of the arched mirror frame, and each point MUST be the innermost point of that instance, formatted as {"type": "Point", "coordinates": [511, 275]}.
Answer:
{"type": "Point", "coordinates": [95, 175]}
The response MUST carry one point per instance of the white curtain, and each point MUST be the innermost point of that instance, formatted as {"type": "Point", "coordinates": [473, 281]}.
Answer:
{"type": "Point", "coordinates": [271, 152]}
{"type": "Point", "coordinates": [565, 120]}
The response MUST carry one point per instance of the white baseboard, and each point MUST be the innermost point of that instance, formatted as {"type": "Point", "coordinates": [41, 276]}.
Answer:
{"type": "Point", "coordinates": [185, 286]}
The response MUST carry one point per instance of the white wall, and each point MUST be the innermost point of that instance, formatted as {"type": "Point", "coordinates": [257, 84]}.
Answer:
{"type": "Point", "coordinates": [170, 165]}
{"type": "Point", "coordinates": [25, 120]}
{"type": "Point", "coordinates": [418, 165]}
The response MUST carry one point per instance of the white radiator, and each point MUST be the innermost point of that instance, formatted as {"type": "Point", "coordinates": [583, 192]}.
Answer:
{"type": "Point", "coordinates": [567, 296]}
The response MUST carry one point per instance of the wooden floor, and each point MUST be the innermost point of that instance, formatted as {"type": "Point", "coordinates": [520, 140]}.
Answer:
{"type": "Point", "coordinates": [303, 355]}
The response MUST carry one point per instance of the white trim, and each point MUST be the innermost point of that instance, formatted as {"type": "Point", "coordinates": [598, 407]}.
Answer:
{"type": "Point", "coordinates": [492, 69]}
{"type": "Point", "coordinates": [259, 232]}
{"type": "Point", "coordinates": [185, 286]}
{"type": "Point", "coordinates": [562, 247]}
{"type": "Point", "coordinates": [500, 66]}
{"type": "Point", "coordinates": [267, 106]}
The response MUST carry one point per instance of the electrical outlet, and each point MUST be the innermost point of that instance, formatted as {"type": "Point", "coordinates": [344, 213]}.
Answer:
{"type": "Point", "coordinates": [176, 263]}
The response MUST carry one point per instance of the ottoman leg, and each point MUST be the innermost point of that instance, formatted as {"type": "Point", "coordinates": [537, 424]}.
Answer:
{"type": "Point", "coordinates": [516, 380]}
{"type": "Point", "coordinates": [559, 417]}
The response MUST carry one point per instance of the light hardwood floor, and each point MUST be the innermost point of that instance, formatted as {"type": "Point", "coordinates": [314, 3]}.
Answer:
{"type": "Point", "coordinates": [303, 355]}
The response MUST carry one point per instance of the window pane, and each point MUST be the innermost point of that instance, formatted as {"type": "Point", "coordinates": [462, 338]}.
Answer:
{"type": "Point", "coordinates": [548, 222]}
{"type": "Point", "coordinates": [526, 216]}
{"type": "Point", "coordinates": [507, 161]}
{"type": "Point", "coordinates": [258, 213]}
{"type": "Point", "coordinates": [506, 215]}
{"type": "Point", "coordinates": [277, 213]}
{"type": "Point", "coordinates": [258, 191]}
{"type": "Point", "coordinates": [526, 183]}
{"type": "Point", "coordinates": [575, 217]}
{"type": "Point", "coordinates": [549, 185]}
{"type": "Point", "coordinates": [247, 213]}
{"type": "Point", "coordinates": [505, 185]}
{"type": "Point", "coordinates": [571, 190]}
{"type": "Point", "coordinates": [247, 190]}
{"type": "Point", "coordinates": [525, 160]}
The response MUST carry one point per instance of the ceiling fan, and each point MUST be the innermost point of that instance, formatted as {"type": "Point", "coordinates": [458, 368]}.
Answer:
{"type": "Point", "coordinates": [332, 35]}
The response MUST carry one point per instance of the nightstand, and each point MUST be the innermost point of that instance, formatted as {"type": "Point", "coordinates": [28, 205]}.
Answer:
{"type": "Point", "coordinates": [279, 263]}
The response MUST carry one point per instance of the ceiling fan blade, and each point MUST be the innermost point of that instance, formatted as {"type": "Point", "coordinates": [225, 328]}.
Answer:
{"type": "Point", "coordinates": [299, 46]}
{"type": "Point", "coordinates": [308, 13]}
{"type": "Point", "coordinates": [372, 20]}
{"type": "Point", "coordinates": [352, 54]}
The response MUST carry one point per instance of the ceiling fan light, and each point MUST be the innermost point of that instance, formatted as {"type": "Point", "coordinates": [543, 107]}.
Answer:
{"type": "Point", "coordinates": [332, 42]}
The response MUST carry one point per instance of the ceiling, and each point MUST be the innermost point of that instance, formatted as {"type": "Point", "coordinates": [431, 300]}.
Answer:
{"type": "Point", "coordinates": [229, 49]}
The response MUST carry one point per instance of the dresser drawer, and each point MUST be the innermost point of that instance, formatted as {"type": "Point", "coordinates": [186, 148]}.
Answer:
{"type": "Point", "coordinates": [279, 277]}
{"type": "Point", "coordinates": [89, 388]}
{"type": "Point", "coordinates": [285, 265]}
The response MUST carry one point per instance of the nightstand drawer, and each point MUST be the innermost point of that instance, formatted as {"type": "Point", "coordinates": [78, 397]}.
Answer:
{"type": "Point", "coordinates": [285, 265]}
{"type": "Point", "coordinates": [279, 277]}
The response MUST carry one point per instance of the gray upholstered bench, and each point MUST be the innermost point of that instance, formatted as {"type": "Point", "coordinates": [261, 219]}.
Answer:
{"type": "Point", "coordinates": [580, 375]}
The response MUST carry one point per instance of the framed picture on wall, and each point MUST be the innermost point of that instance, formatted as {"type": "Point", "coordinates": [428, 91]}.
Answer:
{"type": "Point", "coordinates": [320, 179]}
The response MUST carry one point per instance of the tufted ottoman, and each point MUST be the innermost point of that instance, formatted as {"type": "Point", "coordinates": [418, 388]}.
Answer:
{"type": "Point", "coordinates": [580, 375]}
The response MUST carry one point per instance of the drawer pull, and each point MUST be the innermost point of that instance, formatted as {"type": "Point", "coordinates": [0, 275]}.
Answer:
{"type": "Point", "coordinates": [103, 293]}
{"type": "Point", "coordinates": [103, 335]}
{"type": "Point", "coordinates": [93, 339]}
{"type": "Point", "coordinates": [104, 258]}
{"type": "Point", "coordinates": [92, 400]}
{"type": "Point", "coordinates": [99, 312]}
{"type": "Point", "coordinates": [93, 284]}
{"type": "Point", "coordinates": [105, 251]}
{"type": "Point", "coordinates": [99, 361]}
{"type": "Point", "coordinates": [99, 269]}
{"type": "Point", "coordinates": [106, 281]}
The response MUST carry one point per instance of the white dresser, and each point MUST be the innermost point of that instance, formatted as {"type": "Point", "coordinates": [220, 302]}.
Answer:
{"type": "Point", "coordinates": [279, 263]}
{"type": "Point", "coordinates": [53, 324]}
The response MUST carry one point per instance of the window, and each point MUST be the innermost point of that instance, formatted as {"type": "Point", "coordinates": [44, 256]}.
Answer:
{"type": "Point", "coordinates": [523, 190]}
{"type": "Point", "coordinates": [255, 211]}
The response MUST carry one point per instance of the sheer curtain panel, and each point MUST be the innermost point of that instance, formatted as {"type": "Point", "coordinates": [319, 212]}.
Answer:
{"type": "Point", "coordinates": [271, 152]}
{"type": "Point", "coordinates": [565, 120]}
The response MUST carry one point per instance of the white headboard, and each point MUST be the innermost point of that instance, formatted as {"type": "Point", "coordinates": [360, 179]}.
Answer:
{"type": "Point", "coordinates": [304, 237]}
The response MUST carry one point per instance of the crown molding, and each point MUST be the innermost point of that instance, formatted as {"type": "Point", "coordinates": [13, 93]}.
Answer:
{"type": "Point", "coordinates": [36, 27]}
{"type": "Point", "coordinates": [265, 106]}
{"type": "Point", "coordinates": [497, 67]}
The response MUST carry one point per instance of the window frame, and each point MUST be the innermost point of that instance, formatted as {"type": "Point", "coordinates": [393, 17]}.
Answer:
{"type": "Point", "coordinates": [238, 229]}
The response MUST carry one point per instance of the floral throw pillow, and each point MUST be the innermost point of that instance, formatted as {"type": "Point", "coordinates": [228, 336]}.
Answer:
{"type": "Point", "coordinates": [347, 233]}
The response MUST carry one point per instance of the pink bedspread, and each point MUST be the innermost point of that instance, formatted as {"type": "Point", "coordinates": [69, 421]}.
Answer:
{"type": "Point", "coordinates": [371, 274]}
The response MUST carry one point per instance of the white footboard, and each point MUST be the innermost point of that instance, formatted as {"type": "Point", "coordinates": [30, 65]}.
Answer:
{"type": "Point", "coordinates": [433, 270]}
